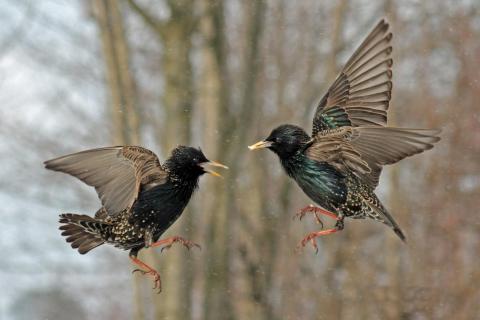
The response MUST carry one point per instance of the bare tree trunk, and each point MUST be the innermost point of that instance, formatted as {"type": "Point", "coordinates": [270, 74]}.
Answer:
{"type": "Point", "coordinates": [175, 35]}
{"type": "Point", "coordinates": [178, 102]}
{"type": "Point", "coordinates": [233, 134]}
{"type": "Point", "coordinates": [214, 93]}
{"type": "Point", "coordinates": [211, 100]}
{"type": "Point", "coordinates": [121, 82]}
{"type": "Point", "coordinates": [120, 79]}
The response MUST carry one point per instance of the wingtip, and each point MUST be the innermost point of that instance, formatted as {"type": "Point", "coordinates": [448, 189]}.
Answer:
{"type": "Point", "coordinates": [436, 134]}
{"type": "Point", "coordinates": [49, 164]}
{"type": "Point", "coordinates": [383, 23]}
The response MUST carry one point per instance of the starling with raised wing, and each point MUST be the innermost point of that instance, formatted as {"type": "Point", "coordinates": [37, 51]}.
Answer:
{"type": "Point", "coordinates": [141, 198]}
{"type": "Point", "coordinates": [339, 165]}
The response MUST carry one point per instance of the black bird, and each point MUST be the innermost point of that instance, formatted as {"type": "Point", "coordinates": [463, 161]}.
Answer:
{"type": "Point", "coordinates": [339, 165]}
{"type": "Point", "coordinates": [140, 197]}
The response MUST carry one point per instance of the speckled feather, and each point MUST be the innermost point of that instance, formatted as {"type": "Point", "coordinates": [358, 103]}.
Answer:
{"type": "Point", "coordinates": [340, 192]}
{"type": "Point", "coordinates": [156, 201]}
{"type": "Point", "coordinates": [361, 93]}
{"type": "Point", "coordinates": [339, 166]}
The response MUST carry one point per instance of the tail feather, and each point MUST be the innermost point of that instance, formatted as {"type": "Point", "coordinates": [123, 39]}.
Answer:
{"type": "Point", "coordinates": [83, 232]}
{"type": "Point", "coordinates": [387, 219]}
{"type": "Point", "coordinates": [399, 233]}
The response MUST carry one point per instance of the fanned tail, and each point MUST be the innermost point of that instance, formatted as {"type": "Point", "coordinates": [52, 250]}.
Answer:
{"type": "Point", "coordinates": [84, 232]}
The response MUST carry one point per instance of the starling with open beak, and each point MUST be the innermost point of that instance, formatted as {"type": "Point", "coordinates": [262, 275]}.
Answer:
{"type": "Point", "coordinates": [339, 165]}
{"type": "Point", "coordinates": [141, 198]}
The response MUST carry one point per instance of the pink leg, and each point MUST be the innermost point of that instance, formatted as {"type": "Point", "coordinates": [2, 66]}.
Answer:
{"type": "Point", "coordinates": [157, 284]}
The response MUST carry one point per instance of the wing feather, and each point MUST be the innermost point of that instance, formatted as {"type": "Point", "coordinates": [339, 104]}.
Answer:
{"type": "Point", "coordinates": [117, 173]}
{"type": "Point", "coordinates": [333, 148]}
{"type": "Point", "coordinates": [364, 150]}
{"type": "Point", "coordinates": [361, 93]}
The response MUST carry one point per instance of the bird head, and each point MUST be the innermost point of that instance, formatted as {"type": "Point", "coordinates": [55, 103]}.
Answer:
{"type": "Point", "coordinates": [191, 162]}
{"type": "Point", "coordinates": [285, 140]}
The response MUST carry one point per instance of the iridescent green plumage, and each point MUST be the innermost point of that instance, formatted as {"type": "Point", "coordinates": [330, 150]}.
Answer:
{"type": "Point", "coordinates": [331, 170]}
{"type": "Point", "coordinates": [339, 166]}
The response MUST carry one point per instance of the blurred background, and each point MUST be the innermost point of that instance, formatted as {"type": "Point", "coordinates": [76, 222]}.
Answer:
{"type": "Point", "coordinates": [220, 75]}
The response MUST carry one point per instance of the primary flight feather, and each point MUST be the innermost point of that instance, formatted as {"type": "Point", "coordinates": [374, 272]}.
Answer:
{"type": "Point", "coordinates": [339, 165]}
{"type": "Point", "coordinates": [141, 198]}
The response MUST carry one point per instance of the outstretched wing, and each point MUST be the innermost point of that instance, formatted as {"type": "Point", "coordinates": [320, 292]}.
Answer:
{"type": "Point", "coordinates": [117, 173]}
{"type": "Point", "coordinates": [361, 92]}
{"type": "Point", "coordinates": [364, 150]}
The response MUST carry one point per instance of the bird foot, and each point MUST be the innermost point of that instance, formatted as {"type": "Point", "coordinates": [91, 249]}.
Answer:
{"type": "Point", "coordinates": [315, 211]}
{"type": "Point", "coordinates": [312, 236]}
{"type": "Point", "coordinates": [157, 283]}
{"type": "Point", "coordinates": [167, 243]}
{"type": "Point", "coordinates": [308, 209]}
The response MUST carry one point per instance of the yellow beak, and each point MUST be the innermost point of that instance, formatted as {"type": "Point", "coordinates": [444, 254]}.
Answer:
{"type": "Point", "coordinates": [260, 145]}
{"type": "Point", "coordinates": [214, 164]}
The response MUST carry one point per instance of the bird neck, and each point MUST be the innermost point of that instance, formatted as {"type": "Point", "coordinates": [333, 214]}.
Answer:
{"type": "Point", "coordinates": [181, 176]}
{"type": "Point", "coordinates": [184, 181]}
{"type": "Point", "coordinates": [292, 164]}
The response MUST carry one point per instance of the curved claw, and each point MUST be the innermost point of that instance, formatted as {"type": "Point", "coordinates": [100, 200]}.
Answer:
{"type": "Point", "coordinates": [167, 243]}
{"type": "Point", "coordinates": [189, 245]}
{"type": "Point", "coordinates": [149, 271]}
{"type": "Point", "coordinates": [139, 270]}
{"type": "Point", "coordinates": [157, 283]}
{"type": "Point", "coordinates": [309, 209]}
{"type": "Point", "coordinates": [309, 238]}
{"type": "Point", "coordinates": [156, 278]}
{"type": "Point", "coordinates": [316, 212]}
{"type": "Point", "coordinates": [186, 243]}
{"type": "Point", "coordinates": [319, 221]}
{"type": "Point", "coordinates": [298, 215]}
{"type": "Point", "coordinates": [312, 236]}
{"type": "Point", "coordinates": [166, 248]}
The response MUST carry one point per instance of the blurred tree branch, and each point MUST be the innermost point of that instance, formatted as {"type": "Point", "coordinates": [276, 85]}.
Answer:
{"type": "Point", "coordinates": [158, 26]}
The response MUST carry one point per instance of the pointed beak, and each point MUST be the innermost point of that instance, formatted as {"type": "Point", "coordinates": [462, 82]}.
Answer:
{"type": "Point", "coordinates": [260, 145]}
{"type": "Point", "coordinates": [205, 166]}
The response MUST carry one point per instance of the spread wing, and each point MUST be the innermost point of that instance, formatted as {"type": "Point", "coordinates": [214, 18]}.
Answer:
{"type": "Point", "coordinates": [117, 173]}
{"type": "Point", "coordinates": [364, 150]}
{"type": "Point", "coordinates": [361, 92]}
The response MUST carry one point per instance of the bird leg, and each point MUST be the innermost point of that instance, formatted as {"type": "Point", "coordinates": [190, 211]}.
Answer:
{"type": "Point", "coordinates": [316, 211]}
{"type": "Point", "coordinates": [167, 243]}
{"type": "Point", "coordinates": [147, 270]}
{"type": "Point", "coordinates": [311, 236]}
{"type": "Point", "coordinates": [157, 284]}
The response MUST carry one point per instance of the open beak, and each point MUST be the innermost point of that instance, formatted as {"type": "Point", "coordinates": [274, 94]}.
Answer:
{"type": "Point", "coordinates": [260, 145]}
{"type": "Point", "coordinates": [205, 165]}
